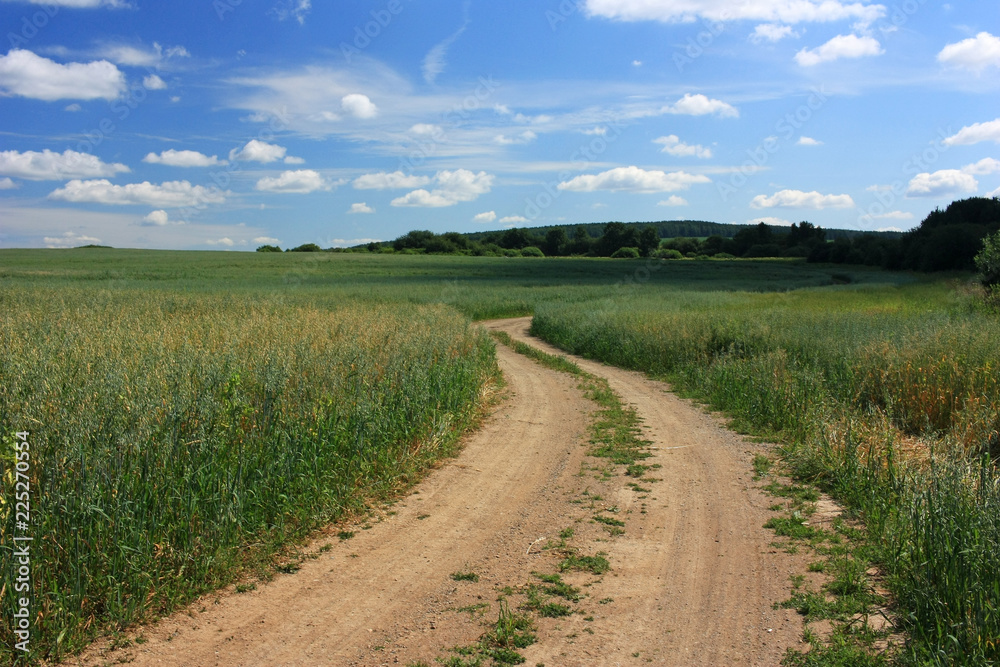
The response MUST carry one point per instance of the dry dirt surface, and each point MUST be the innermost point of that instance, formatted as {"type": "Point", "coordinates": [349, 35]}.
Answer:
{"type": "Point", "coordinates": [693, 578]}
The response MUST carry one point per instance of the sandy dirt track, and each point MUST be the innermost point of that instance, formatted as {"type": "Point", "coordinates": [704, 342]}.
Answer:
{"type": "Point", "coordinates": [692, 581]}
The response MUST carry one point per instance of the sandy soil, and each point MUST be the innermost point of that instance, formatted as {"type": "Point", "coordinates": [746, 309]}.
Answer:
{"type": "Point", "coordinates": [692, 580]}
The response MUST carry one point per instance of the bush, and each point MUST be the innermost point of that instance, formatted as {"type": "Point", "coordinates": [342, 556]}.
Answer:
{"type": "Point", "coordinates": [626, 253]}
{"type": "Point", "coordinates": [307, 247]}
{"type": "Point", "coordinates": [532, 251]}
{"type": "Point", "coordinates": [668, 253]}
{"type": "Point", "coordinates": [268, 248]}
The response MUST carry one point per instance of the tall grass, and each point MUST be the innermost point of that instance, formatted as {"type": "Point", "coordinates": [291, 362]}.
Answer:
{"type": "Point", "coordinates": [176, 437]}
{"type": "Point", "coordinates": [889, 396]}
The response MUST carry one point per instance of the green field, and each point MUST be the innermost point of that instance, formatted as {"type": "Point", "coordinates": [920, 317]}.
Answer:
{"type": "Point", "coordinates": [194, 412]}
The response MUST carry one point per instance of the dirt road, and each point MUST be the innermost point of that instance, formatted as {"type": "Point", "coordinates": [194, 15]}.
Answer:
{"type": "Point", "coordinates": [692, 579]}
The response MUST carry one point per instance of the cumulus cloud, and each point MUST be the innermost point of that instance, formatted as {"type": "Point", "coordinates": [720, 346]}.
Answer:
{"type": "Point", "coordinates": [513, 219]}
{"type": "Point", "coordinates": [389, 181]}
{"type": "Point", "coordinates": [772, 11]}
{"type": "Point", "coordinates": [263, 152]}
{"type": "Point", "coordinates": [841, 46]}
{"type": "Point", "coordinates": [488, 216]}
{"type": "Point", "coordinates": [946, 182]}
{"type": "Point", "coordinates": [452, 187]}
{"type": "Point", "coordinates": [976, 53]}
{"type": "Point", "coordinates": [633, 179]}
{"type": "Point", "coordinates": [673, 200]}
{"type": "Point", "coordinates": [266, 240]}
{"type": "Point", "coordinates": [69, 240]}
{"type": "Point", "coordinates": [154, 82]}
{"type": "Point", "coordinates": [808, 141]}
{"type": "Point", "coordinates": [359, 106]}
{"type": "Point", "coordinates": [975, 133]}
{"type": "Point", "coordinates": [699, 105]}
{"type": "Point", "coordinates": [800, 199]}
{"type": "Point", "coordinates": [224, 241]}
{"type": "Point", "coordinates": [672, 145]}
{"type": "Point", "coordinates": [771, 32]}
{"type": "Point", "coordinates": [171, 194]}
{"type": "Point", "coordinates": [361, 207]}
{"type": "Point", "coordinates": [302, 181]}
{"type": "Point", "coordinates": [984, 167]}
{"type": "Point", "coordinates": [7, 184]}
{"type": "Point", "coordinates": [51, 166]}
{"type": "Point", "coordinates": [157, 219]}
{"type": "Point", "coordinates": [173, 158]}
{"type": "Point", "coordinates": [24, 74]}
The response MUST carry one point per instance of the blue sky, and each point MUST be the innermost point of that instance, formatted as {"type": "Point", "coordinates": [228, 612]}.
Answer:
{"type": "Point", "coordinates": [226, 124]}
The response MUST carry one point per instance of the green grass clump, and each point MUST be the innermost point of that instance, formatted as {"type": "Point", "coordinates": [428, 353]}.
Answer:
{"type": "Point", "coordinates": [183, 438]}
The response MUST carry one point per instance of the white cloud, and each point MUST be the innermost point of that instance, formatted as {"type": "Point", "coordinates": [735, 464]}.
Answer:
{"type": "Point", "coordinates": [427, 130]}
{"type": "Point", "coordinates": [942, 183]}
{"type": "Point", "coordinates": [173, 158]}
{"type": "Point", "coordinates": [73, 108]}
{"type": "Point", "coordinates": [808, 141]}
{"type": "Point", "coordinates": [7, 184]}
{"type": "Point", "coordinates": [984, 167]}
{"type": "Point", "coordinates": [976, 53]}
{"type": "Point", "coordinates": [166, 195]}
{"type": "Point", "coordinates": [292, 9]}
{"type": "Point", "coordinates": [513, 219]}
{"type": "Point", "coordinates": [673, 200]}
{"type": "Point", "coordinates": [636, 63]}
{"type": "Point", "coordinates": [263, 152]}
{"type": "Point", "coordinates": [633, 179]}
{"type": "Point", "coordinates": [893, 215]}
{"type": "Point", "coordinates": [973, 134]}
{"type": "Point", "coordinates": [266, 240]}
{"type": "Point", "coordinates": [302, 181]}
{"type": "Point", "coordinates": [69, 240]}
{"type": "Point", "coordinates": [598, 131]}
{"type": "Point", "coordinates": [25, 74]}
{"type": "Point", "coordinates": [771, 32]}
{"type": "Point", "coordinates": [224, 241]}
{"type": "Point", "coordinates": [525, 137]}
{"type": "Point", "coordinates": [293, 160]}
{"type": "Point", "coordinates": [776, 11]}
{"type": "Point", "coordinates": [841, 46]}
{"type": "Point", "coordinates": [452, 187]}
{"type": "Point", "coordinates": [800, 199]}
{"type": "Point", "coordinates": [488, 216]}
{"type": "Point", "coordinates": [390, 181]}
{"type": "Point", "coordinates": [361, 207]}
{"type": "Point", "coordinates": [131, 56]}
{"type": "Point", "coordinates": [157, 218]}
{"type": "Point", "coordinates": [50, 166]}
{"type": "Point", "coordinates": [434, 61]}
{"type": "Point", "coordinates": [770, 220]}
{"type": "Point", "coordinates": [699, 105]}
{"type": "Point", "coordinates": [995, 193]}
{"type": "Point", "coordinates": [154, 82]}
{"type": "Point", "coordinates": [672, 145]}
{"type": "Point", "coordinates": [359, 106]}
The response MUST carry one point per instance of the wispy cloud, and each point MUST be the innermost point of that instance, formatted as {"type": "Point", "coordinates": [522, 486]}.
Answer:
{"type": "Point", "coordinates": [434, 61]}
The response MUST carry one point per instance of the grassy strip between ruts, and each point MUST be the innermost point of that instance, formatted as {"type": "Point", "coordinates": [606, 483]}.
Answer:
{"type": "Point", "coordinates": [614, 436]}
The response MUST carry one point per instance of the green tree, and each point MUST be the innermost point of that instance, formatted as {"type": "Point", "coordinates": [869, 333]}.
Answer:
{"type": "Point", "coordinates": [555, 241]}
{"type": "Point", "coordinates": [649, 240]}
{"type": "Point", "coordinates": [988, 260]}
{"type": "Point", "coordinates": [268, 248]}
